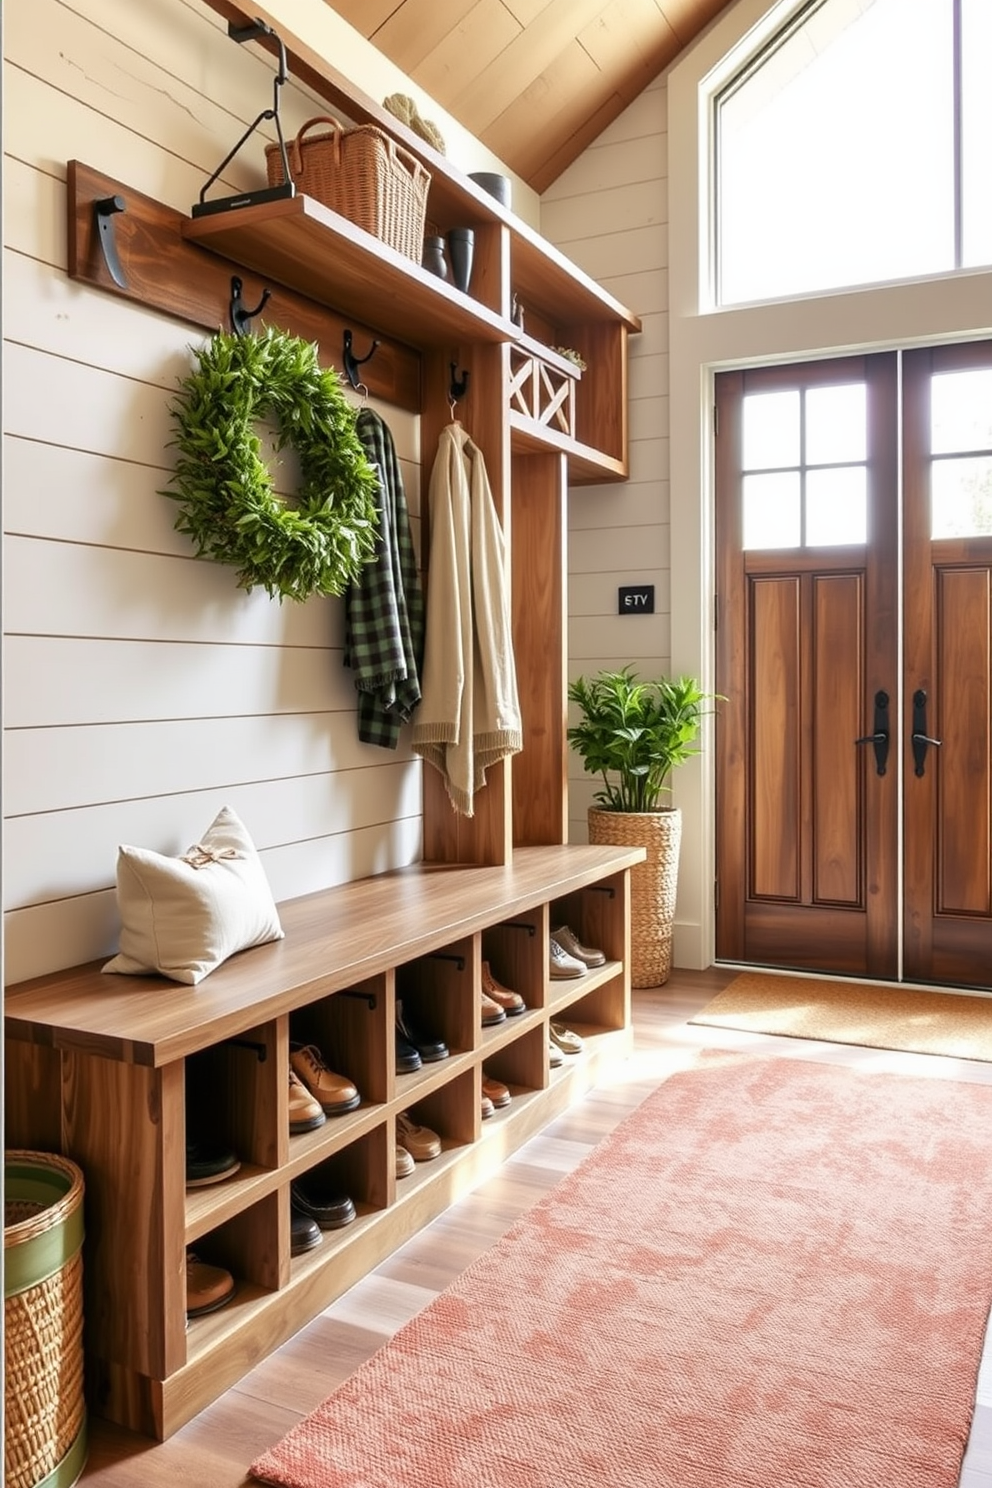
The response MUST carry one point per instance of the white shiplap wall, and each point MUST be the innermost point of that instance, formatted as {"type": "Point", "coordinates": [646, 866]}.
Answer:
{"type": "Point", "coordinates": [142, 689]}
{"type": "Point", "coordinates": [609, 214]}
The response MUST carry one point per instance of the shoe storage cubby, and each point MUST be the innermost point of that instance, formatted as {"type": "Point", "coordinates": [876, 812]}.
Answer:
{"type": "Point", "coordinates": [248, 1245]}
{"type": "Point", "coordinates": [516, 951]}
{"type": "Point", "coordinates": [352, 1030]}
{"type": "Point", "coordinates": [118, 1080]}
{"type": "Point", "coordinates": [438, 994]}
{"type": "Point", "coordinates": [451, 1110]}
{"type": "Point", "coordinates": [520, 1062]}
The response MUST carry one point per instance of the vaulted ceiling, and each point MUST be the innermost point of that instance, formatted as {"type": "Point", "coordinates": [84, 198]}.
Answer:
{"type": "Point", "coordinates": [535, 80]}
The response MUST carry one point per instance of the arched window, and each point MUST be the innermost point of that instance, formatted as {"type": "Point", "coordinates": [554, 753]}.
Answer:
{"type": "Point", "coordinates": [854, 149]}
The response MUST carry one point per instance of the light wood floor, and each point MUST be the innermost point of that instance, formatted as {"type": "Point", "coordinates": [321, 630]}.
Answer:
{"type": "Point", "coordinates": [217, 1446]}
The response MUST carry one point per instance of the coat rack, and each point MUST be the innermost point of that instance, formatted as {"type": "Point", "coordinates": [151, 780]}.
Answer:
{"type": "Point", "coordinates": [127, 244]}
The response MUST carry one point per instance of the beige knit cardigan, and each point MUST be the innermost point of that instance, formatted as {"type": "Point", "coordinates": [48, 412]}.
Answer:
{"type": "Point", "coordinates": [469, 715]}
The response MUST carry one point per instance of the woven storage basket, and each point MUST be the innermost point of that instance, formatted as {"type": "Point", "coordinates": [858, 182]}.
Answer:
{"type": "Point", "coordinates": [652, 884]}
{"type": "Point", "coordinates": [45, 1432]}
{"type": "Point", "coordinates": [362, 174]}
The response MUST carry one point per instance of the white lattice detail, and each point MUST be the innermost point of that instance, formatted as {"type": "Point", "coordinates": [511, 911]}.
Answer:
{"type": "Point", "coordinates": [541, 392]}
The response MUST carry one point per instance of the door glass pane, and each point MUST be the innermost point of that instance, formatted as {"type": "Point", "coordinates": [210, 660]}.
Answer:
{"type": "Point", "coordinates": [961, 411]}
{"type": "Point", "coordinates": [976, 131]}
{"type": "Point", "coordinates": [772, 510]}
{"type": "Point", "coordinates": [771, 430]}
{"type": "Point", "coordinates": [961, 498]}
{"type": "Point", "coordinates": [836, 506]}
{"type": "Point", "coordinates": [835, 153]}
{"type": "Point", "coordinates": [836, 424]}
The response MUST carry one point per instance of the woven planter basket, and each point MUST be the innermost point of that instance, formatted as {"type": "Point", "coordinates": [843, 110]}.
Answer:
{"type": "Point", "coordinates": [652, 884]}
{"type": "Point", "coordinates": [45, 1427]}
{"type": "Point", "coordinates": [363, 175]}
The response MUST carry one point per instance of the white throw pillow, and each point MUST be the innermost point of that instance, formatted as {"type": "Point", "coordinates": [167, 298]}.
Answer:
{"type": "Point", "coordinates": [182, 917]}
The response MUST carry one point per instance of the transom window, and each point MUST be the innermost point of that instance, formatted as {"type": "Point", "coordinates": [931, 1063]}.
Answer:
{"type": "Point", "coordinates": [961, 451]}
{"type": "Point", "coordinates": [854, 150]}
{"type": "Point", "coordinates": [805, 473]}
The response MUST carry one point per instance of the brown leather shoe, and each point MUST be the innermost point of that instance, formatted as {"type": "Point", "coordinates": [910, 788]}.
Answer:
{"type": "Point", "coordinates": [488, 1109]}
{"type": "Point", "coordinates": [496, 1091]}
{"type": "Point", "coordinates": [305, 1111]}
{"type": "Point", "coordinates": [572, 946]}
{"type": "Point", "coordinates": [335, 1093]}
{"type": "Point", "coordinates": [421, 1143]}
{"type": "Point", "coordinates": [511, 1002]}
{"type": "Point", "coordinates": [490, 1011]}
{"type": "Point", "coordinates": [207, 1287]}
{"type": "Point", "coordinates": [404, 1162]}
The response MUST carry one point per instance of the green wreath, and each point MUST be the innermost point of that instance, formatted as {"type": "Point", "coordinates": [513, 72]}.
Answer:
{"type": "Point", "coordinates": [318, 543]}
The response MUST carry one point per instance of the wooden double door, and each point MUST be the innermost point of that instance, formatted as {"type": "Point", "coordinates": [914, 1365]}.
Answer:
{"type": "Point", "coordinates": [854, 651]}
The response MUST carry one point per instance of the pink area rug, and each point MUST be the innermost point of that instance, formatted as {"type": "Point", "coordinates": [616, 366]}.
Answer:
{"type": "Point", "coordinates": [774, 1274]}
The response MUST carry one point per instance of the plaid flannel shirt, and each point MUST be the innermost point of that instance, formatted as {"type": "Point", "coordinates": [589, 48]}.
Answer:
{"type": "Point", "coordinates": [384, 607]}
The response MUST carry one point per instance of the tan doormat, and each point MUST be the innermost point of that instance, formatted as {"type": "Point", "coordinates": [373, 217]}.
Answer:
{"type": "Point", "coordinates": [880, 1015]}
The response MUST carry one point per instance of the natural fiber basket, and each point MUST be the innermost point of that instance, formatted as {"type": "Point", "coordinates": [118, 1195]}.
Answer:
{"type": "Point", "coordinates": [653, 884]}
{"type": "Point", "coordinates": [45, 1431]}
{"type": "Point", "coordinates": [362, 174]}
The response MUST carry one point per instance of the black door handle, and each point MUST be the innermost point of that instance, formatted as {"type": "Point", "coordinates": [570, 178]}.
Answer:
{"type": "Point", "coordinates": [880, 738]}
{"type": "Point", "coordinates": [921, 740]}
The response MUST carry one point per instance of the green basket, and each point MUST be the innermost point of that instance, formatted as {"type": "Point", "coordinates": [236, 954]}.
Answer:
{"type": "Point", "coordinates": [44, 1404]}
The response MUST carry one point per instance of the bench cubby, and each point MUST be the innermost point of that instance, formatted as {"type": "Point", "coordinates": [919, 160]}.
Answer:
{"type": "Point", "coordinates": [113, 1072]}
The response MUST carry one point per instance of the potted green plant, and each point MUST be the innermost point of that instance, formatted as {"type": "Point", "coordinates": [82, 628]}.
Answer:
{"type": "Point", "coordinates": [633, 734]}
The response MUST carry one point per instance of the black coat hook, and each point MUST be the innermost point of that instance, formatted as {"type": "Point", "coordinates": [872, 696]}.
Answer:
{"type": "Point", "coordinates": [458, 386]}
{"type": "Point", "coordinates": [241, 316]}
{"type": "Point", "coordinates": [104, 212]}
{"type": "Point", "coordinates": [352, 363]}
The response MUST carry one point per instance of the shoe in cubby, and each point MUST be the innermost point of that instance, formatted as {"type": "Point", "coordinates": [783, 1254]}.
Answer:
{"type": "Point", "coordinates": [511, 1002]}
{"type": "Point", "coordinates": [207, 1287]}
{"type": "Point", "coordinates": [335, 1093]}
{"type": "Point", "coordinates": [561, 965]}
{"type": "Point", "coordinates": [209, 1162]}
{"type": "Point", "coordinates": [590, 956]}
{"type": "Point", "coordinates": [304, 1231]}
{"type": "Point", "coordinates": [323, 1202]}
{"type": "Point", "coordinates": [428, 1044]}
{"type": "Point", "coordinates": [305, 1111]}
{"type": "Point", "coordinates": [495, 1091]}
{"type": "Point", "coordinates": [421, 1142]}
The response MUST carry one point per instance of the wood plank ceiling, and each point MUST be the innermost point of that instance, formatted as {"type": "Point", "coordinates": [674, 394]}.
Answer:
{"type": "Point", "coordinates": [535, 80]}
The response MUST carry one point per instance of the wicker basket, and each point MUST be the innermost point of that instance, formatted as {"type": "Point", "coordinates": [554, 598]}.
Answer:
{"type": "Point", "coordinates": [45, 1435]}
{"type": "Point", "coordinates": [652, 884]}
{"type": "Point", "coordinates": [362, 174]}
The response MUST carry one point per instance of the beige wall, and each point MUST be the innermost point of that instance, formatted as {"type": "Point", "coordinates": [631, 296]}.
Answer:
{"type": "Point", "coordinates": [142, 689]}
{"type": "Point", "coordinates": [609, 214]}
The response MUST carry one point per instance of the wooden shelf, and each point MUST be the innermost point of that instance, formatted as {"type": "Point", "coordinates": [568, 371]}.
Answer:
{"type": "Point", "coordinates": [586, 466]}
{"type": "Point", "coordinates": [304, 245]}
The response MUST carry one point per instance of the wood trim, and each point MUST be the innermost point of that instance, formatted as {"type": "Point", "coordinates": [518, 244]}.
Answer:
{"type": "Point", "coordinates": [540, 773]}
{"type": "Point", "coordinates": [166, 272]}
